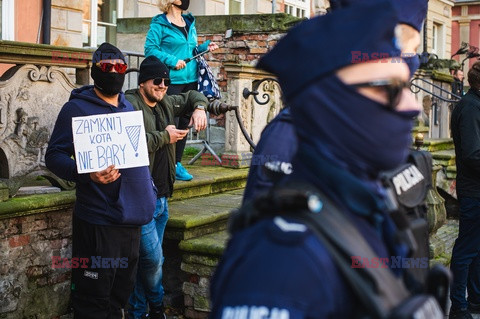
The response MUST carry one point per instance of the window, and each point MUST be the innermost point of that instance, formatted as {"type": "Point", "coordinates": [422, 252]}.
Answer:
{"type": "Point", "coordinates": [235, 7]}
{"type": "Point", "coordinates": [1, 2]}
{"type": "Point", "coordinates": [7, 29]}
{"type": "Point", "coordinates": [297, 9]}
{"type": "Point", "coordinates": [438, 40]}
{"type": "Point", "coordinates": [100, 21]}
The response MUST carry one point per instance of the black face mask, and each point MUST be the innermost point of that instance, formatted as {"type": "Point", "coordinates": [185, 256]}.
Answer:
{"type": "Point", "coordinates": [109, 84]}
{"type": "Point", "coordinates": [184, 5]}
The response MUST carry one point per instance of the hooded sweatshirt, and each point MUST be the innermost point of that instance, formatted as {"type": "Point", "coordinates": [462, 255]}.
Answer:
{"type": "Point", "coordinates": [169, 45]}
{"type": "Point", "coordinates": [130, 200]}
{"type": "Point", "coordinates": [160, 151]}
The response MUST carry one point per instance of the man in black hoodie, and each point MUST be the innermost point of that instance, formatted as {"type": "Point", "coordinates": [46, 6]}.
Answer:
{"type": "Point", "coordinates": [111, 205]}
{"type": "Point", "coordinates": [159, 111]}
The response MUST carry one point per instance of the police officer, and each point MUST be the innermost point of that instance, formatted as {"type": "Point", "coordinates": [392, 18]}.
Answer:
{"type": "Point", "coordinates": [352, 120]}
{"type": "Point", "coordinates": [278, 144]}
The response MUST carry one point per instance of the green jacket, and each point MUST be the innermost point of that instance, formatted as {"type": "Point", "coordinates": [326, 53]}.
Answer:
{"type": "Point", "coordinates": [168, 108]}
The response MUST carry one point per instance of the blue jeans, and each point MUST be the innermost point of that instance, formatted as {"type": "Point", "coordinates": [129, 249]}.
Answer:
{"type": "Point", "coordinates": [465, 265]}
{"type": "Point", "coordinates": [148, 286]}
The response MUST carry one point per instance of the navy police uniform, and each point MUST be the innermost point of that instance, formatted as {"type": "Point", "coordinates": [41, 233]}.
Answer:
{"type": "Point", "coordinates": [278, 142]}
{"type": "Point", "coordinates": [276, 265]}
{"type": "Point", "coordinates": [277, 145]}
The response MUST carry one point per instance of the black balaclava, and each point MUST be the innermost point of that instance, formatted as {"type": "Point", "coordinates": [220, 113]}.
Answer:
{"type": "Point", "coordinates": [184, 5]}
{"type": "Point", "coordinates": [353, 131]}
{"type": "Point", "coordinates": [110, 83]}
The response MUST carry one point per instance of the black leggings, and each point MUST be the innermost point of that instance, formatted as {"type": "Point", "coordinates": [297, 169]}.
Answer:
{"type": "Point", "coordinates": [182, 121]}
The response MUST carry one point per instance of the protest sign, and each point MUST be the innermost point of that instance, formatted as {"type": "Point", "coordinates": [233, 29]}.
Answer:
{"type": "Point", "coordinates": [106, 139]}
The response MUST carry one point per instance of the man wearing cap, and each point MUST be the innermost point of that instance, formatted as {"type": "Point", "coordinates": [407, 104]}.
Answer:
{"type": "Point", "coordinates": [353, 121]}
{"type": "Point", "coordinates": [159, 111]}
{"type": "Point", "coordinates": [278, 143]}
{"type": "Point", "coordinates": [111, 205]}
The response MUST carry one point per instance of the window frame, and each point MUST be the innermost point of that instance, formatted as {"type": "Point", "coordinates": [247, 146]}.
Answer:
{"type": "Point", "coordinates": [94, 21]}
{"type": "Point", "coordinates": [8, 20]}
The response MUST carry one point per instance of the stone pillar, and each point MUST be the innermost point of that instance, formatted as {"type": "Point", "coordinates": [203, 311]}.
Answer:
{"type": "Point", "coordinates": [82, 76]}
{"type": "Point", "coordinates": [437, 214]}
{"type": "Point", "coordinates": [238, 152]}
{"type": "Point", "coordinates": [436, 111]}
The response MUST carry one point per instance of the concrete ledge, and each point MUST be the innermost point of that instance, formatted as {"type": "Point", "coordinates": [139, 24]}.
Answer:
{"type": "Point", "coordinates": [244, 23]}
{"type": "Point", "coordinates": [42, 54]}
{"type": "Point", "coordinates": [34, 204]}
{"type": "Point", "coordinates": [208, 180]}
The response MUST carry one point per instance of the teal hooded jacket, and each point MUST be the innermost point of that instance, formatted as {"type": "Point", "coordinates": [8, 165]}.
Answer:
{"type": "Point", "coordinates": [169, 45]}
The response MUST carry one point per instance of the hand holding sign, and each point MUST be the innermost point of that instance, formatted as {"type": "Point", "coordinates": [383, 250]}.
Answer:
{"type": "Point", "coordinates": [107, 176]}
{"type": "Point", "coordinates": [104, 140]}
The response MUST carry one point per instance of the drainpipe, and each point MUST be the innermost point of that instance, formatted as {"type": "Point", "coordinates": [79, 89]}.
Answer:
{"type": "Point", "coordinates": [425, 35]}
{"type": "Point", "coordinates": [425, 55]}
{"type": "Point", "coordinates": [274, 6]}
{"type": "Point", "coordinates": [46, 21]}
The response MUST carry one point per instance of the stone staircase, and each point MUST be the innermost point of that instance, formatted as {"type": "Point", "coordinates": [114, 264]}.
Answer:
{"type": "Point", "coordinates": [196, 235]}
{"type": "Point", "coordinates": [442, 240]}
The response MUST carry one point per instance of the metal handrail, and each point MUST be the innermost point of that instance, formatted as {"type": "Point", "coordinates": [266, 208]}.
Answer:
{"type": "Point", "coordinates": [440, 97]}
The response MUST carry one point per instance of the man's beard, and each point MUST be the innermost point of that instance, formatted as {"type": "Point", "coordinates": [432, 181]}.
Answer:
{"type": "Point", "coordinates": [151, 97]}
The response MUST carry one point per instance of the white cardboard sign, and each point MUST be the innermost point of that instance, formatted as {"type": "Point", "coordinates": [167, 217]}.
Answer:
{"type": "Point", "coordinates": [106, 139]}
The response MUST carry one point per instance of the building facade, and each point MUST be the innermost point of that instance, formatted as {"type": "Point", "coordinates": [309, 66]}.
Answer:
{"type": "Point", "coordinates": [439, 28]}
{"type": "Point", "coordinates": [466, 29]}
{"type": "Point", "coordinates": [88, 23]}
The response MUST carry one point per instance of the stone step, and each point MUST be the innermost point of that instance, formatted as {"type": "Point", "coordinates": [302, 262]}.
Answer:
{"type": "Point", "coordinates": [445, 158]}
{"type": "Point", "coordinates": [209, 180]}
{"type": "Point", "coordinates": [451, 172]}
{"type": "Point", "coordinates": [441, 243]}
{"type": "Point", "coordinates": [433, 145]}
{"type": "Point", "coordinates": [194, 217]}
{"type": "Point", "coordinates": [211, 244]}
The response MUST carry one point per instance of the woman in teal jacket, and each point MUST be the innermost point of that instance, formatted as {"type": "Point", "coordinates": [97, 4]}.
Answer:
{"type": "Point", "coordinates": [172, 38]}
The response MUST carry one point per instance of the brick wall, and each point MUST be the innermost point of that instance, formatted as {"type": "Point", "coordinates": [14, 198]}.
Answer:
{"type": "Point", "coordinates": [245, 48]}
{"type": "Point", "coordinates": [199, 269]}
{"type": "Point", "coordinates": [29, 286]}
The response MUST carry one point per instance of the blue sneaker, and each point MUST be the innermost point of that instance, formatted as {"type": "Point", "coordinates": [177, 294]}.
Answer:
{"type": "Point", "coordinates": [181, 173]}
